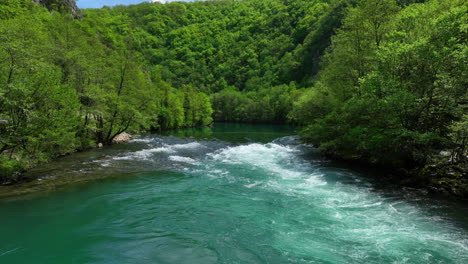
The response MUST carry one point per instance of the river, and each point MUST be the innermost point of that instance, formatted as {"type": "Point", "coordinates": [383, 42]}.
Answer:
{"type": "Point", "coordinates": [228, 194]}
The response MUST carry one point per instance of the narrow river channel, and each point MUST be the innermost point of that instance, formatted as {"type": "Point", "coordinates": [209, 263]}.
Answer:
{"type": "Point", "coordinates": [228, 194]}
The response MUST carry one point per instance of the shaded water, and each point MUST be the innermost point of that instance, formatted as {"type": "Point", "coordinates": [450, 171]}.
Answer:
{"type": "Point", "coordinates": [231, 194]}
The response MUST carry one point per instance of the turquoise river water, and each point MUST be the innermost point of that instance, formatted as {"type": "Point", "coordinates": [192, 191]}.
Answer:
{"type": "Point", "coordinates": [227, 194]}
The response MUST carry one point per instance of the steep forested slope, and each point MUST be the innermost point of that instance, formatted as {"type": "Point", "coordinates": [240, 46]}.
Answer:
{"type": "Point", "coordinates": [251, 55]}
{"type": "Point", "coordinates": [393, 91]}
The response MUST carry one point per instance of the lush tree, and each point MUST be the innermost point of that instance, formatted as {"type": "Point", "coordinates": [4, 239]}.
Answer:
{"type": "Point", "coordinates": [393, 87]}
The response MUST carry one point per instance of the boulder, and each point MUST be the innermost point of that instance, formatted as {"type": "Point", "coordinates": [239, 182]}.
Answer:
{"type": "Point", "coordinates": [122, 138]}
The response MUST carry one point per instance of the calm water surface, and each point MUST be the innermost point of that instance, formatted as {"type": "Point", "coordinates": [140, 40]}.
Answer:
{"type": "Point", "coordinates": [228, 194]}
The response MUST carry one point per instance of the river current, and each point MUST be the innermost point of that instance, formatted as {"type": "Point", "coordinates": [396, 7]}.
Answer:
{"type": "Point", "coordinates": [228, 194]}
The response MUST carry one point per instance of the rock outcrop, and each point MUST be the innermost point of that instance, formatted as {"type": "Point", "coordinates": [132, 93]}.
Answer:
{"type": "Point", "coordinates": [62, 6]}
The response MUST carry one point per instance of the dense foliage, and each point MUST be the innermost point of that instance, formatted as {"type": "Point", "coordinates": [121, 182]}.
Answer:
{"type": "Point", "coordinates": [63, 87]}
{"type": "Point", "coordinates": [250, 55]}
{"type": "Point", "coordinates": [393, 90]}
{"type": "Point", "coordinates": [378, 81]}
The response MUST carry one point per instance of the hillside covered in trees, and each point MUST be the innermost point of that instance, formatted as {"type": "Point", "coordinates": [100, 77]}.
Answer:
{"type": "Point", "coordinates": [381, 82]}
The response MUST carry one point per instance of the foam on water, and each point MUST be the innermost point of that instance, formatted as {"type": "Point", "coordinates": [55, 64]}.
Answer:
{"type": "Point", "coordinates": [142, 140]}
{"type": "Point", "coordinates": [183, 159]}
{"type": "Point", "coordinates": [355, 215]}
{"type": "Point", "coordinates": [147, 154]}
{"type": "Point", "coordinates": [191, 145]}
{"type": "Point", "coordinates": [284, 169]}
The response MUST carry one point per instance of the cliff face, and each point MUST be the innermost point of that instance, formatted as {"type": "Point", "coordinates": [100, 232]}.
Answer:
{"type": "Point", "coordinates": [63, 6]}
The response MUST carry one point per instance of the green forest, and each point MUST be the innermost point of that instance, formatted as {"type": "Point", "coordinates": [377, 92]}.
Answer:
{"type": "Point", "coordinates": [377, 82]}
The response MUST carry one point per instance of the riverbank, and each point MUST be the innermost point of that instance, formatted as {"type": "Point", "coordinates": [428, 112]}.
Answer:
{"type": "Point", "coordinates": [25, 181]}
{"type": "Point", "coordinates": [36, 179]}
{"type": "Point", "coordinates": [439, 178]}
{"type": "Point", "coordinates": [13, 170]}
{"type": "Point", "coordinates": [17, 176]}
